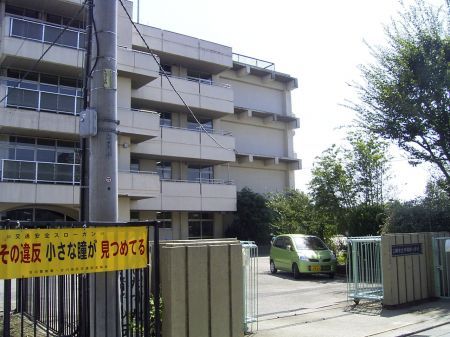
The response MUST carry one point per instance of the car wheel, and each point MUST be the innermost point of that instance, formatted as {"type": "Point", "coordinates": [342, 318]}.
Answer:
{"type": "Point", "coordinates": [331, 275]}
{"type": "Point", "coordinates": [295, 271]}
{"type": "Point", "coordinates": [273, 270]}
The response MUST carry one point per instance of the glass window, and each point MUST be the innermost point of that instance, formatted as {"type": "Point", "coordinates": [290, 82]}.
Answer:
{"type": "Point", "coordinates": [164, 169]}
{"type": "Point", "coordinates": [65, 157]}
{"type": "Point", "coordinates": [165, 119]}
{"type": "Point", "coordinates": [310, 242]}
{"type": "Point", "coordinates": [134, 216]}
{"type": "Point", "coordinates": [47, 156]}
{"type": "Point", "coordinates": [165, 219]}
{"type": "Point", "coordinates": [201, 225]}
{"type": "Point", "coordinates": [167, 69]}
{"type": "Point", "coordinates": [206, 124]}
{"type": "Point", "coordinates": [134, 165]}
{"type": "Point", "coordinates": [26, 29]}
{"type": "Point", "coordinates": [200, 173]}
{"type": "Point", "coordinates": [25, 154]}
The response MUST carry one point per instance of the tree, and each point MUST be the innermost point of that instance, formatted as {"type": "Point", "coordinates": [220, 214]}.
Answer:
{"type": "Point", "coordinates": [252, 218]}
{"type": "Point", "coordinates": [406, 92]}
{"type": "Point", "coordinates": [293, 212]}
{"type": "Point", "coordinates": [347, 187]}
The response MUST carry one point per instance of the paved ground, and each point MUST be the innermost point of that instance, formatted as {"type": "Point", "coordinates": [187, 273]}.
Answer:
{"type": "Point", "coordinates": [316, 306]}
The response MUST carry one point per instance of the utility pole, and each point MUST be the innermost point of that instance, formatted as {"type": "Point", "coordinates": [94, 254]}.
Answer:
{"type": "Point", "coordinates": [103, 179]}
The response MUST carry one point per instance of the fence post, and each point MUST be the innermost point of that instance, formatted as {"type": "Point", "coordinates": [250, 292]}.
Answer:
{"type": "Point", "coordinates": [7, 309]}
{"type": "Point", "coordinates": [157, 280]}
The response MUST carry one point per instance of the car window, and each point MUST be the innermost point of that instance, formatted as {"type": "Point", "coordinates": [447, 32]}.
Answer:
{"type": "Point", "coordinates": [287, 242]}
{"type": "Point", "coordinates": [310, 242]}
{"type": "Point", "coordinates": [279, 242]}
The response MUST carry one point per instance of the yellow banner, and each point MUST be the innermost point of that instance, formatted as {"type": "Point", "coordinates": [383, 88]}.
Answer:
{"type": "Point", "coordinates": [45, 252]}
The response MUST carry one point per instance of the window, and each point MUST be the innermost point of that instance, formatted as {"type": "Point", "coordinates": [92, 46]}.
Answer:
{"type": "Point", "coordinates": [200, 173]}
{"type": "Point", "coordinates": [201, 225]}
{"type": "Point", "coordinates": [134, 216]}
{"type": "Point", "coordinates": [167, 69]}
{"type": "Point", "coordinates": [164, 169]}
{"type": "Point", "coordinates": [199, 76]}
{"type": "Point", "coordinates": [165, 119]}
{"type": "Point", "coordinates": [165, 219]}
{"type": "Point", "coordinates": [134, 165]}
{"type": "Point", "coordinates": [206, 124]}
{"type": "Point", "coordinates": [29, 13]}
{"type": "Point", "coordinates": [44, 92]}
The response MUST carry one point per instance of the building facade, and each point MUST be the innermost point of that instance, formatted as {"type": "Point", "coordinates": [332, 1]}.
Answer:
{"type": "Point", "coordinates": [170, 168]}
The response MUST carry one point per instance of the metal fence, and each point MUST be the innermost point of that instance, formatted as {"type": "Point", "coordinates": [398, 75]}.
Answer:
{"type": "Point", "coordinates": [364, 273]}
{"type": "Point", "coordinates": [59, 305]}
{"type": "Point", "coordinates": [250, 272]}
{"type": "Point", "coordinates": [441, 252]}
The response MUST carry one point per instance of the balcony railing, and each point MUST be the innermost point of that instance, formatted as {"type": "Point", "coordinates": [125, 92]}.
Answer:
{"type": "Point", "coordinates": [201, 181]}
{"type": "Point", "coordinates": [199, 81]}
{"type": "Point", "coordinates": [26, 97]}
{"type": "Point", "coordinates": [200, 129]}
{"type": "Point", "coordinates": [254, 62]}
{"type": "Point", "coordinates": [39, 172]}
{"type": "Point", "coordinates": [38, 31]}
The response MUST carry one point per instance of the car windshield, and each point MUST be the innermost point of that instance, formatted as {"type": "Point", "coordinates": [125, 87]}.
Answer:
{"type": "Point", "coordinates": [309, 242]}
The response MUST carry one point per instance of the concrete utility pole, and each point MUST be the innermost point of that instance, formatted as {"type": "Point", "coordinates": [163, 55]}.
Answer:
{"type": "Point", "coordinates": [103, 179]}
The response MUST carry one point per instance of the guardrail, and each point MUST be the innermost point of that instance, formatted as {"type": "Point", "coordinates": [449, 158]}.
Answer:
{"type": "Point", "coordinates": [200, 81]}
{"type": "Point", "coordinates": [47, 33]}
{"type": "Point", "coordinates": [198, 129]}
{"type": "Point", "coordinates": [202, 181]}
{"type": "Point", "coordinates": [253, 62]}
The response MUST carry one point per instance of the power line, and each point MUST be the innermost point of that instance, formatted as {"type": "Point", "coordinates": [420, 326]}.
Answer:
{"type": "Point", "coordinates": [47, 50]}
{"type": "Point", "coordinates": [161, 69]}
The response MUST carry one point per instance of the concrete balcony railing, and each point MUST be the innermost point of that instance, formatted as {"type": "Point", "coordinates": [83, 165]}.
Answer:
{"type": "Point", "coordinates": [182, 195]}
{"type": "Point", "coordinates": [199, 53]}
{"type": "Point", "coordinates": [139, 125]}
{"type": "Point", "coordinates": [214, 100]}
{"type": "Point", "coordinates": [68, 52]}
{"type": "Point", "coordinates": [190, 144]}
{"type": "Point", "coordinates": [139, 185]}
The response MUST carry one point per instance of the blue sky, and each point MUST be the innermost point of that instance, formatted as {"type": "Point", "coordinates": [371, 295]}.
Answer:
{"type": "Point", "coordinates": [319, 42]}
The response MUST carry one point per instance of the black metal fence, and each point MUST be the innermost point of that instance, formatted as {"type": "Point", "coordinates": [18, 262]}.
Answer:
{"type": "Point", "coordinates": [59, 305]}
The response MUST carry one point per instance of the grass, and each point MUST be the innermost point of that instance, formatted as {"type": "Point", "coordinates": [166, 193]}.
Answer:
{"type": "Point", "coordinates": [28, 327]}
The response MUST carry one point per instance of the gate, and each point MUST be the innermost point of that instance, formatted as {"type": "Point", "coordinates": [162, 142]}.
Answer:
{"type": "Point", "coordinates": [441, 258]}
{"type": "Point", "coordinates": [250, 273]}
{"type": "Point", "coordinates": [59, 305]}
{"type": "Point", "coordinates": [364, 273]}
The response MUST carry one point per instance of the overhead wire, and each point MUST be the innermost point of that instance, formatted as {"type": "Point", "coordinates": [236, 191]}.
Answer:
{"type": "Point", "coordinates": [36, 63]}
{"type": "Point", "coordinates": [161, 69]}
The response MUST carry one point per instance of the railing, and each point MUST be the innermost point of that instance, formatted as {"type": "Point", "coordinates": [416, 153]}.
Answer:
{"type": "Point", "coordinates": [254, 62]}
{"type": "Point", "coordinates": [38, 31]}
{"type": "Point", "coordinates": [201, 181]}
{"type": "Point", "coordinates": [200, 81]}
{"type": "Point", "coordinates": [53, 99]}
{"type": "Point", "coordinates": [39, 172]}
{"type": "Point", "coordinates": [199, 129]}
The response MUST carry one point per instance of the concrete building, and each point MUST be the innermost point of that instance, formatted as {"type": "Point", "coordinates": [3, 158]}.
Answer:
{"type": "Point", "coordinates": [170, 168]}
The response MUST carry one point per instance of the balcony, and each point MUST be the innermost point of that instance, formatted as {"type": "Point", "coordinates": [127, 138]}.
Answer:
{"type": "Point", "coordinates": [139, 185]}
{"type": "Point", "coordinates": [212, 99]}
{"type": "Point", "coordinates": [23, 41]}
{"type": "Point", "coordinates": [218, 147]}
{"type": "Point", "coordinates": [180, 195]}
{"type": "Point", "coordinates": [183, 49]}
{"type": "Point", "coordinates": [139, 125]}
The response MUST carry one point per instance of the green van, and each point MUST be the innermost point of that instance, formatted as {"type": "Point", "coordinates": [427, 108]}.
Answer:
{"type": "Point", "coordinates": [301, 254]}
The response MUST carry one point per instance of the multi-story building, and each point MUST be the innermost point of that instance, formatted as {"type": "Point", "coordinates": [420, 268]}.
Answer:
{"type": "Point", "coordinates": [170, 167]}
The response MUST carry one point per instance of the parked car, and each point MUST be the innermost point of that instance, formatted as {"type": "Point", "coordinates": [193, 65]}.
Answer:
{"type": "Point", "coordinates": [301, 254]}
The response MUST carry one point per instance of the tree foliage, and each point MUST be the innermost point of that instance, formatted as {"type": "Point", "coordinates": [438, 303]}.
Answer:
{"type": "Point", "coordinates": [347, 185]}
{"type": "Point", "coordinates": [406, 94]}
{"type": "Point", "coordinates": [428, 214]}
{"type": "Point", "coordinates": [252, 218]}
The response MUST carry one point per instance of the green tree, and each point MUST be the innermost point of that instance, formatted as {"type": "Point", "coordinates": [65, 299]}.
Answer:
{"type": "Point", "coordinates": [293, 213]}
{"type": "Point", "coordinates": [405, 96]}
{"type": "Point", "coordinates": [347, 185]}
{"type": "Point", "coordinates": [252, 218]}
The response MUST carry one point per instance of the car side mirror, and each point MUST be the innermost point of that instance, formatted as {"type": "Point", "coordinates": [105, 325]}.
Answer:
{"type": "Point", "coordinates": [288, 247]}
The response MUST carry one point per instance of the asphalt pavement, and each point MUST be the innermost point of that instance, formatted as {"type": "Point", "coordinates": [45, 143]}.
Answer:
{"type": "Point", "coordinates": [316, 306]}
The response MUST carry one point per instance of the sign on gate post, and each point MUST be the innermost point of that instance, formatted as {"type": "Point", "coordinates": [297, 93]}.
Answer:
{"type": "Point", "coordinates": [45, 252]}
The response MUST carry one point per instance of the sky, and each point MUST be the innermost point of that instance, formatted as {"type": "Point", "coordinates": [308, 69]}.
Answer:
{"type": "Point", "coordinates": [320, 42]}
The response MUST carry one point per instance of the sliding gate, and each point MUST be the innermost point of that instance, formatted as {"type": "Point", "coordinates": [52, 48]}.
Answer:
{"type": "Point", "coordinates": [441, 252]}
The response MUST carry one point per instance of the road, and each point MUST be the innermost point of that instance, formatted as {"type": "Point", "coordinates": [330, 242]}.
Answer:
{"type": "Point", "coordinates": [316, 306]}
